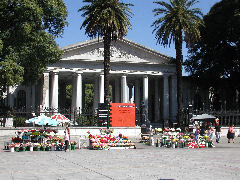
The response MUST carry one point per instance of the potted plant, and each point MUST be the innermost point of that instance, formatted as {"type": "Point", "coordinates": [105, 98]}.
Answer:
{"type": "Point", "coordinates": [47, 147]}
{"type": "Point", "coordinates": [73, 145]}
{"type": "Point", "coordinates": [43, 147]}
{"type": "Point", "coordinates": [16, 147]}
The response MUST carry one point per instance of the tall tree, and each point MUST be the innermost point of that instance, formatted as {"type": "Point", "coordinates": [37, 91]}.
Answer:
{"type": "Point", "coordinates": [179, 22]}
{"type": "Point", "coordinates": [217, 55]}
{"type": "Point", "coordinates": [27, 32]}
{"type": "Point", "coordinates": [110, 20]}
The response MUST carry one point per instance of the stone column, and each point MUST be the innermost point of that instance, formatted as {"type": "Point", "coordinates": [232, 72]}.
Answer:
{"type": "Point", "coordinates": [156, 101]}
{"type": "Point", "coordinates": [45, 91]}
{"type": "Point", "coordinates": [101, 88]}
{"type": "Point", "coordinates": [145, 96]}
{"type": "Point", "coordinates": [165, 100]}
{"type": "Point", "coordinates": [124, 89]}
{"type": "Point", "coordinates": [78, 99]}
{"type": "Point", "coordinates": [73, 91]}
{"type": "Point", "coordinates": [54, 91]}
{"type": "Point", "coordinates": [173, 102]}
{"type": "Point", "coordinates": [117, 89]}
{"type": "Point", "coordinates": [145, 91]}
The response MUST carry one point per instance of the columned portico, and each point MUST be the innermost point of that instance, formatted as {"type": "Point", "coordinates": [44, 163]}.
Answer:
{"type": "Point", "coordinates": [136, 73]}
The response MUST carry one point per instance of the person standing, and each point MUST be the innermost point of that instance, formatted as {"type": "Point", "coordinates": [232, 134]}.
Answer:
{"type": "Point", "coordinates": [231, 133]}
{"type": "Point", "coordinates": [197, 132]}
{"type": "Point", "coordinates": [67, 137]}
{"type": "Point", "coordinates": [217, 131]}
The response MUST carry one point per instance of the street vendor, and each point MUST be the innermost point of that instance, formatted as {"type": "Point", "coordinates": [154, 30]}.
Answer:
{"type": "Point", "coordinates": [67, 137]}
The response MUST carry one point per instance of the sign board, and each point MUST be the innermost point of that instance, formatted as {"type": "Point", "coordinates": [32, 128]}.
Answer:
{"type": "Point", "coordinates": [122, 114]}
{"type": "Point", "coordinates": [103, 113]}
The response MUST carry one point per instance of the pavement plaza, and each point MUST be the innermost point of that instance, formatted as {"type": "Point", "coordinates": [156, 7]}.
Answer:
{"type": "Point", "coordinates": [144, 163]}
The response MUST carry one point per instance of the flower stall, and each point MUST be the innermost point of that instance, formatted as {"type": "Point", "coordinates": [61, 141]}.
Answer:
{"type": "Point", "coordinates": [172, 138]}
{"type": "Point", "coordinates": [106, 140]}
{"type": "Point", "coordinates": [38, 140]}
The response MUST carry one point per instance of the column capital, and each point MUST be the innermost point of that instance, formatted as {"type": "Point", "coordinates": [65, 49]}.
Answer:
{"type": "Point", "coordinates": [54, 72]}
{"type": "Point", "coordinates": [123, 74]}
{"type": "Point", "coordinates": [76, 73]}
{"type": "Point", "coordinates": [46, 72]}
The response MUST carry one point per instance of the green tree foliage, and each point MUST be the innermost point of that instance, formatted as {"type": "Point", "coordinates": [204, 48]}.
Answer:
{"type": "Point", "coordinates": [89, 96]}
{"type": "Point", "coordinates": [107, 19]}
{"type": "Point", "coordinates": [215, 60]}
{"type": "Point", "coordinates": [217, 54]}
{"type": "Point", "coordinates": [178, 22]}
{"type": "Point", "coordinates": [27, 32]}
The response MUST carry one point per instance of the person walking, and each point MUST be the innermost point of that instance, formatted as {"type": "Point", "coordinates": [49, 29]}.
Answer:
{"type": "Point", "coordinates": [231, 133]}
{"type": "Point", "coordinates": [217, 131]}
{"type": "Point", "coordinates": [67, 137]}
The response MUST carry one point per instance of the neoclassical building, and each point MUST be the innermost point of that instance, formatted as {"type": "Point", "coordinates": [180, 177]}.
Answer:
{"type": "Point", "coordinates": [137, 74]}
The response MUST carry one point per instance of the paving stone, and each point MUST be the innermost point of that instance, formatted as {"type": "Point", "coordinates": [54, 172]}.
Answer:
{"type": "Point", "coordinates": [144, 163]}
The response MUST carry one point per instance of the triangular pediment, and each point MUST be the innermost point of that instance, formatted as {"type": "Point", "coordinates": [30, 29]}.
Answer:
{"type": "Point", "coordinates": [122, 51]}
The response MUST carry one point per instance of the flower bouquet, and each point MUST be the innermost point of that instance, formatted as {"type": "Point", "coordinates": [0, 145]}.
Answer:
{"type": "Point", "coordinates": [22, 147]}
{"type": "Point", "coordinates": [16, 147]}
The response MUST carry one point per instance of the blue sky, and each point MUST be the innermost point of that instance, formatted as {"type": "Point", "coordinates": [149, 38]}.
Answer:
{"type": "Point", "coordinates": [141, 24]}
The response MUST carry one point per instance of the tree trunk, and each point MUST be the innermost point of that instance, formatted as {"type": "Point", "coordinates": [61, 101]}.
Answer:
{"type": "Point", "coordinates": [106, 63]}
{"type": "Point", "coordinates": [179, 60]}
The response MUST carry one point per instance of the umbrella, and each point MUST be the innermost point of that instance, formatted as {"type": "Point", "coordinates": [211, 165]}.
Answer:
{"type": "Point", "coordinates": [42, 120]}
{"type": "Point", "coordinates": [60, 118]}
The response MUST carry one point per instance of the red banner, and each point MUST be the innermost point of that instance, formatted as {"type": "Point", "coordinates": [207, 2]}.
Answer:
{"type": "Point", "coordinates": [122, 115]}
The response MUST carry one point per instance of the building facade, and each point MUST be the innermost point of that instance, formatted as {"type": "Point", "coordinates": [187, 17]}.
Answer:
{"type": "Point", "coordinates": [137, 74]}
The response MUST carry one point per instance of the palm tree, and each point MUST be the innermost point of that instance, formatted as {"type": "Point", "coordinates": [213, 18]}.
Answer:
{"type": "Point", "coordinates": [108, 19]}
{"type": "Point", "coordinates": [179, 22]}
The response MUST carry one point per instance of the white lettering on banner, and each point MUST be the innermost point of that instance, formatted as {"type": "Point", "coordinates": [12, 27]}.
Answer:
{"type": "Point", "coordinates": [126, 106]}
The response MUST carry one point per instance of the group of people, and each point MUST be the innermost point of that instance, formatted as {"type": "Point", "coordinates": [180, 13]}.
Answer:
{"type": "Point", "coordinates": [208, 129]}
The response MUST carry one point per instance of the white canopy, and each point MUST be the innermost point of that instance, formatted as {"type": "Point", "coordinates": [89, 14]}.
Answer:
{"type": "Point", "coordinates": [203, 116]}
